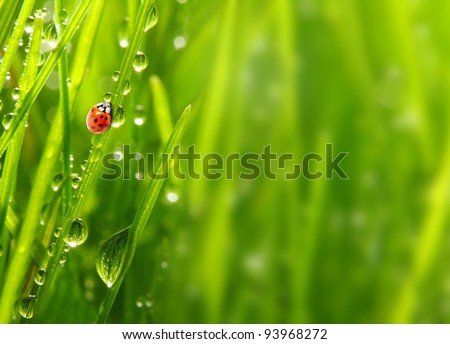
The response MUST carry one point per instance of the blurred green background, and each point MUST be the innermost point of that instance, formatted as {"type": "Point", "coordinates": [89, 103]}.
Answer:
{"type": "Point", "coordinates": [370, 77]}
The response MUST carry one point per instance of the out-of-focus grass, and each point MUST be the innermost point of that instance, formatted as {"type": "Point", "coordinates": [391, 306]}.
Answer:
{"type": "Point", "coordinates": [370, 77]}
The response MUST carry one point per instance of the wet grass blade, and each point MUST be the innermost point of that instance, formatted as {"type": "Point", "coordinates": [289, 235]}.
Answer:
{"type": "Point", "coordinates": [143, 214]}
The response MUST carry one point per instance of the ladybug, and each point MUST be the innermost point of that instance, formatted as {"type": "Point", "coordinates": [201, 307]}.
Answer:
{"type": "Point", "coordinates": [99, 118]}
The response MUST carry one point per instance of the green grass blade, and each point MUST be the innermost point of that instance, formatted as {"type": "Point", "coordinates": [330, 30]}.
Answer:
{"type": "Point", "coordinates": [143, 214]}
{"type": "Point", "coordinates": [13, 42]}
{"type": "Point", "coordinates": [44, 73]}
{"type": "Point", "coordinates": [98, 142]}
{"type": "Point", "coordinates": [8, 13]}
{"type": "Point", "coordinates": [161, 108]}
{"type": "Point", "coordinates": [64, 106]}
{"type": "Point", "coordinates": [11, 162]}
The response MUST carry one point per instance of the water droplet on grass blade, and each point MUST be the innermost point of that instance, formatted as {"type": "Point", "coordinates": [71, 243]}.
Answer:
{"type": "Point", "coordinates": [107, 97]}
{"type": "Point", "coordinates": [63, 258]}
{"type": "Point", "coordinates": [15, 93]}
{"type": "Point", "coordinates": [57, 181]}
{"type": "Point", "coordinates": [7, 119]}
{"type": "Point", "coordinates": [29, 25]}
{"type": "Point", "coordinates": [127, 88]}
{"type": "Point", "coordinates": [123, 33]}
{"type": "Point", "coordinates": [51, 35]}
{"type": "Point", "coordinates": [76, 182]}
{"type": "Point", "coordinates": [41, 13]}
{"type": "Point", "coordinates": [63, 15]}
{"type": "Point", "coordinates": [1, 105]}
{"type": "Point", "coordinates": [39, 277]}
{"type": "Point", "coordinates": [152, 19]}
{"type": "Point", "coordinates": [51, 249]}
{"type": "Point", "coordinates": [69, 82]}
{"type": "Point", "coordinates": [77, 234]}
{"type": "Point", "coordinates": [110, 257]}
{"type": "Point", "coordinates": [44, 213]}
{"type": "Point", "coordinates": [26, 307]}
{"type": "Point", "coordinates": [140, 62]}
{"type": "Point", "coordinates": [84, 164]}
{"type": "Point", "coordinates": [57, 232]}
{"type": "Point", "coordinates": [119, 117]}
{"type": "Point", "coordinates": [115, 75]}
{"type": "Point", "coordinates": [8, 76]}
{"type": "Point", "coordinates": [41, 58]}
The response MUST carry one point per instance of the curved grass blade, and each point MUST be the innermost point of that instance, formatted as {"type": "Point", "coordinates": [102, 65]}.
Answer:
{"type": "Point", "coordinates": [44, 74]}
{"type": "Point", "coordinates": [161, 108]}
{"type": "Point", "coordinates": [13, 153]}
{"type": "Point", "coordinates": [19, 263]}
{"type": "Point", "coordinates": [13, 42]}
{"type": "Point", "coordinates": [98, 142]}
{"type": "Point", "coordinates": [143, 214]}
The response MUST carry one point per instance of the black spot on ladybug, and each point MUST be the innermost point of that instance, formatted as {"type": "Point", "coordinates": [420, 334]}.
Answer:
{"type": "Point", "coordinates": [100, 125]}
{"type": "Point", "coordinates": [93, 127]}
{"type": "Point", "coordinates": [101, 116]}
{"type": "Point", "coordinates": [96, 120]}
{"type": "Point", "coordinates": [92, 110]}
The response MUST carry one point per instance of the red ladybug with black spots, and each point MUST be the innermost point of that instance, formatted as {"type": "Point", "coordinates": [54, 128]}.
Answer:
{"type": "Point", "coordinates": [98, 120]}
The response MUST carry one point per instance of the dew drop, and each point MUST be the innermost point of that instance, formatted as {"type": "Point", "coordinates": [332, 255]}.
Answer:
{"type": "Point", "coordinates": [63, 258]}
{"type": "Point", "coordinates": [84, 165]}
{"type": "Point", "coordinates": [127, 88]}
{"type": "Point", "coordinates": [66, 248]}
{"type": "Point", "coordinates": [144, 301]}
{"type": "Point", "coordinates": [41, 13]}
{"type": "Point", "coordinates": [1, 105]}
{"type": "Point", "coordinates": [152, 19]}
{"type": "Point", "coordinates": [63, 15]}
{"type": "Point", "coordinates": [140, 62]}
{"type": "Point", "coordinates": [119, 117]}
{"type": "Point", "coordinates": [77, 234]}
{"type": "Point", "coordinates": [26, 308]}
{"type": "Point", "coordinates": [139, 121]}
{"type": "Point", "coordinates": [110, 257]}
{"type": "Point", "coordinates": [140, 302]}
{"type": "Point", "coordinates": [51, 249]}
{"type": "Point", "coordinates": [172, 197]}
{"type": "Point", "coordinates": [57, 232]}
{"type": "Point", "coordinates": [15, 93]}
{"type": "Point", "coordinates": [41, 59]}
{"type": "Point", "coordinates": [7, 119]}
{"type": "Point", "coordinates": [179, 42]}
{"type": "Point", "coordinates": [57, 181]}
{"type": "Point", "coordinates": [123, 43]}
{"type": "Point", "coordinates": [51, 35]}
{"type": "Point", "coordinates": [107, 97]}
{"type": "Point", "coordinates": [69, 82]}
{"type": "Point", "coordinates": [21, 43]}
{"type": "Point", "coordinates": [44, 212]}
{"type": "Point", "coordinates": [29, 25]}
{"type": "Point", "coordinates": [8, 76]}
{"type": "Point", "coordinates": [123, 33]}
{"type": "Point", "coordinates": [115, 75]}
{"type": "Point", "coordinates": [76, 182]}
{"type": "Point", "coordinates": [39, 277]}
